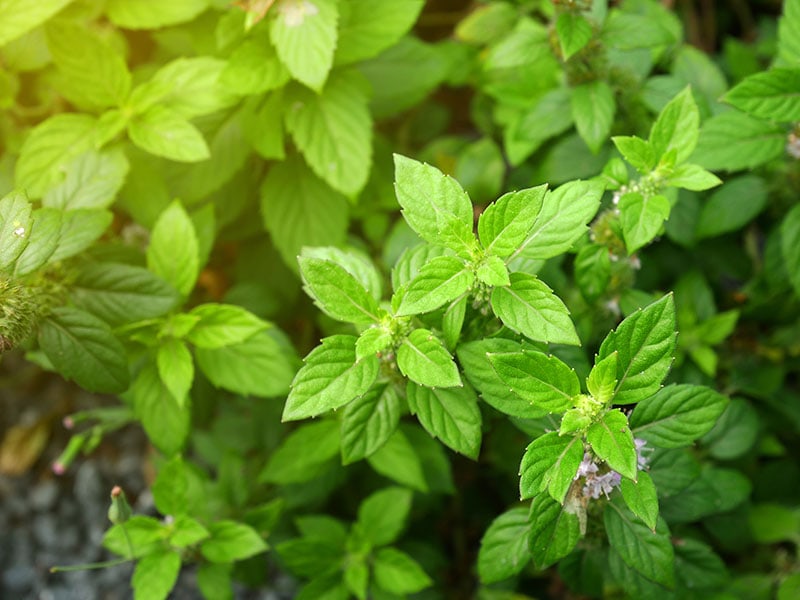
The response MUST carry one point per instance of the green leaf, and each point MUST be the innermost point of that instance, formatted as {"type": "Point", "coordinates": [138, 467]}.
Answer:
{"type": "Point", "coordinates": [789, 44]}
{"type": "Point", "coordinates": [438, 282]}
{"type": "Point", "coordinates": [790, 246]}
{"type": "Point", "coordinates": [602, 380]}
{"type": "Point", "coordinates": [356, 577]}
{"type": "Point", "coordinates": [20, 16]}
{"type": "Point", "coordinates": [422, 358]}
{"type": "Point", "coordinates": [733, 140]}
{"type": "Point", "coordinates": [645, 343]}
{"type": "Point", "coordinates": [612, 440]}
{"type": "Point", "coordinates": [367, 28]}
{"type": "Point", "coordinates": [304, 34]}
{"type": "Point", "coordinates": [693, 177]}
{"type": "Point", "coordinates": [82, 348]}
{"type": "Point", "coordinates": [187, 532]}
{"type": "Point", "coordinates": [647, 552]}
{"type": "Point", "coordinates": [475, 358]}
{"type": "Point", "coordinates": [176, 368]}
{"type": "Point", "coordinates": [531, 128]}
{"type": "Point", "coordinates": [505, 223]}
{"type": "Point", "coordinates": [173, 252]}
{"type": "Point", "coordinates": [368, 422]}
{"type": "Point", "coordinates": [676, 127]}
{"type": "Point", "coordinates": [732, 206]}
{"type": "Point", "coordinates": [190, 87]}
{"type": "Point", "coordinates": [166, 423]}
{"type": "Point", "coordinates": [544, 381]}
{"type": "Point", "coordinates": [79, 230]}
{"type": "Point", "coordinates": [333, 130]}
{"type": "Point", "coordinates": [220, 325]}
{"type": "Point", "coordinates": [562, 219]}
{"type": "Point", "coordinates": [714, 492]}
{"type": "Point", "coordinates": [434, 205]}
{"type": "Point", "coordinates": [642, 218]}
{"type": "Point", "coordinates": [231, 541]}
{"type": "Point", "coordinates": [49, 148]}
{"type": "Point", "coordinates": [638, 152]}
{"type": "Point", "coordinates": [92, 75]}
{"type": "Point", "coordinates": [120, 293]}
{"type": "Point", "coordinates": [253, 67]}
{"type": "Point", "coordinates": [373, 341]}
{"type": "Point", "coordinates": [300, 209]}
{"type": "Point", "coordinates": [451, 415]}
{"type": "Point", "coordinates": [574, 32]}
{"type": "Point", "coordinates": [43, 237]}
{"type": "Point", "coordinates": [15, 227]}
{"type": "Point", "coordinates": [258, 366]}
{"type": "Point", "coordinates": [326, 587]}
{"type": "Point", "coordinates": [593, 107]}
{"type": "Point", "coordinates": [677, 415]}
{"type": "Point", "coordinates": [593, 270]}
{"type": "Point", "coordinates": [493, 272]}
{"type": "Point", "coordinates": [303, 453]}
{"type": "Point", "coordinates": [152, 14]}
{"type": "Point", "coordinates": [355, 262]}
{"type": "Point", "coordinates": [504, 546]}
{"type": "Point", "coordinates": [550, 463]}
{"type": "Point", "coordinates": [169, 488]}
{"type": "Point", "coordinates": [529, 306]}
{"type": "Point", "coordinates": [330, 378]}
{"type": "Point", "coordinates": [155, 575]}
{"type": "Point", "coordinates": [337, 292]}
{"type": "Point", "coordinates": [382, 516]}
{"type": "Point", "coordinates": [773, 523]}
{"type": "Point", "coordinates": [163, 132]}
{"type": "Point", "coordinates": [453, 321]}
{"type": "Point", "coordinates": [311, 556]}
{"type": "Point", "coordinates": [398, 573]}
{"type": "Point", "coordinates": [93, 180]}
{"type": "Point", "coordinates": [773, 95]}
{"type": "Point", "coordinates": [398, 460]}
{"type": "Point", "coordinates": [554, 531]}
{"type": "Point", "coordinates": [641, 498]}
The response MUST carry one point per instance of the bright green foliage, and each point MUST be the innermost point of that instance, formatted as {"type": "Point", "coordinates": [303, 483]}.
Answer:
{"type": "Point", "coordinates": [504, 548]}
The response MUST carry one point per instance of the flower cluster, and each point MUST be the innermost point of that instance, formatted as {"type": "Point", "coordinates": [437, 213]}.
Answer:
{"type": "Point", "coordinates": [793, 145]}
{"type": "Point", "coordinates": [604, 483]}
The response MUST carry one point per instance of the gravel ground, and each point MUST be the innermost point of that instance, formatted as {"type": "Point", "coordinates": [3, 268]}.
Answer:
{"type": "Point", "coordinates": [48, 520]}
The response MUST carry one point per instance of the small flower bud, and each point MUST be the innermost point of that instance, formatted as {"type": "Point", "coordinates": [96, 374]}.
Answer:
{"type": "Point", "coordinates": [119, 511]}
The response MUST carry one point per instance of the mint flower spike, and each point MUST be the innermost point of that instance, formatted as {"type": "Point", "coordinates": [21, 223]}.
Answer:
{"type": "Point", "coordinates": [595, 484]}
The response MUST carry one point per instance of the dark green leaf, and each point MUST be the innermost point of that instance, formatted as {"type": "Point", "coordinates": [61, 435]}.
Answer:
{"type": "Point", "coordinates": [382, 516]}
{"type": "Point", "coordinates": [544, 381]}
{"type": "Point", "coordinates": [451, 415]}
{"type": "Point", "coordinates": [504, 547]}
{"type": "Point", "coordinates": [303, 453]}
{"type": "Point", "coordinates": [369, 421]}
{"type": "Point", "coordinates": [554, 531]}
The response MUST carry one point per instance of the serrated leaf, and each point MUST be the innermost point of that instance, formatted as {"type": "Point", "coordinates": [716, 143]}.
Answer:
{"type": "Point", "coordinates": [333, 130]}
{"type": "Point", "coordinates": [253, 67]}
{"type": "Point", "coordinates": [92, 75]}
{"type": "Point", "coordinates": [163, 132]}
{"type": "Point", "coordinates": [773, 95]}
{"type": "Point", "coordinates": [544, 381]}
{"type": "Point", "coordinates": [453, 321]}
{"type": "Point", "coordinates": [593, 109]}
{"type": "Point", "coordinates": [152, 14]}
{"type": "Point", "coordinates": [451, 415]}
{"type": "Point", "coordinates": [423, 359]}
{"type": "Point", "coordinates": [732, 206]}
{"type": "Point", "coordinates": [366, 28]}
{"type": "Point", "coordinates": [382, 516]}
{"type": "Point", "coordinates": [493, 272]}
{"type": "Point", "coordinates": [677, 415]}
{"type": "Point", "coordinates": [676, 127]}
{"type": "Point", "coordinates": [398, 573]}
{"type": "Point", "coordinates": [647, 552]}
{"type": "Point", "coordinates": [166, 423]}
{"type": "Point", "coordinates": [641, 498]}
{"type": "Point", "coordinates": [373, 341]}
{"type": "Point", "coordinates": [191, 87]}
{"type": "Point", "coordinates": [20, 16]}
{"type": "Point", "coordinates": [529, 306]}
{"type": "Point", "coordinates": [398, 460]}
{"type": "Point", "coordinates": [638, 152]}
{"type": "Point", "coordinates": [693, 177]}
{"type": "Point", "coordinates": [642, 218]}
{"type": "Point", "coordinates": [49, 148]}
{"type": "Point", "coordinates": [231, 541]}
{"type": "Point", "coordinates": [93, 180]}
{"type": "Point", "coordinates": [258, 366]}
{"type": "Point", "coordinates": [789, 41]}
{"type": "Point", "coordinates": [439, 281]}
{"type": "Point", "coordinates": [173, 253]}
{"type": "Point", "coordinates": [330, 378]}
{"type": "Point", "coordinates": [304, 34]}
{"type": "Point", "coordinates": [368, 422]}
{"type": "Point", "coordinates": [80, 228]}
{"type": "Point", "coordinates": [299, 209]}
{"type": "Point", "coordinates": [303, 453]}
{"type": "Point", "coordinates": [733, 140]}
{"type": "Point", "coordinates": [221, 325]}
{"type": "Point", "coordinates": [562, 219]}
{"type": "Point", "coordinates": [434, 205]}
{"type": "Point", "coordinates": [505, 223]}
{"type": "Point", "coordinates": [15, 227]}
{"type": "Point", "coordinates": [82, 348]}
{"type": "Point", "coordinates": [504, 546]}
{"type": "Point", "coordinates": [550, 463]}
{"type": "Point", "coordinates": [645, 343]}
{"type": "Point", "coordinates": [593, 270]}
{"type": "Point", "coordinates": [602, 380]}
{"type": "Point", "coordinates": [155, 575]}
{"type": "Point", "coordinates": [612, 441]}
{"type": "Point", "coordinates": [43, 238]}
{"type": "Point", "coordinates": [574, 32]}
{"type": "Point", "coordinates": [337, 292]}
{"type": "Point", "coordinates": [554, 531]}
{"type": "Point", "coordinates": [176, 368]}
{"type": "Point", "coordinates": [120, 293]}
{"type": "Point", "coordinates": [790, 246]}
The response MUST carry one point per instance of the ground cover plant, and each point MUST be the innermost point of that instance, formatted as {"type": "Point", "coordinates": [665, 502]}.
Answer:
{"type": "Point", "coordinates": [489, 299]}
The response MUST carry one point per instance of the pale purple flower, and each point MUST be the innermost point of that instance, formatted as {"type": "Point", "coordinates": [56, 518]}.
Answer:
{"type": "Point", "coordinates": [793, 145]}
{"type": "Point", "coordinates": [587, 467]}
{"type": "Point", "coordinates": [595, 484]}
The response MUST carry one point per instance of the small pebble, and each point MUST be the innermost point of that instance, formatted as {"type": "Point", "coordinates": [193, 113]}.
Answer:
{"type": "Point", "coordinates": [44, 495]}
